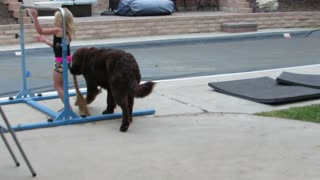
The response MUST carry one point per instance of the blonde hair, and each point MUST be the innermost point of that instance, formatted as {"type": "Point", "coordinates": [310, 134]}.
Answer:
{"type": "Point", "coordinates": [70, 26]}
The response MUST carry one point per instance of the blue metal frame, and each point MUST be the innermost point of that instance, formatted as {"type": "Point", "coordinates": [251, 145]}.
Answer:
{"type": "Point", "coordinates": [24, 93]}
{"type": "Point", "coordinates": [78, 120]}
{"type": "Point", "coordinates": [66, 116]}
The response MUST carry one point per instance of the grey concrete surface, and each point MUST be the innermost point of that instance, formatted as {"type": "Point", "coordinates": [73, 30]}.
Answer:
{"type": "Point", "coordinates": [196, 133]}
{"type": "Point", "coordinates": [174, 57]}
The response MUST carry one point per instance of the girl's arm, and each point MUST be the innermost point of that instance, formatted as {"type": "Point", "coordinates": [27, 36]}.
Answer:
{"type": "Point", "coordinates": [40, 30]}
{"type": "Point", "coordinates": [43, 39]}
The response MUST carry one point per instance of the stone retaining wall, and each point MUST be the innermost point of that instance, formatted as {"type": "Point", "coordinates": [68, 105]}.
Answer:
{"type": "Point", "coordinates": [174, 24]}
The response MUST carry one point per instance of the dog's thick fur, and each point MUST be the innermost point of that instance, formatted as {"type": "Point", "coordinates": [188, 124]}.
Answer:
{"type": "Point", "coordinates": [116, 71]}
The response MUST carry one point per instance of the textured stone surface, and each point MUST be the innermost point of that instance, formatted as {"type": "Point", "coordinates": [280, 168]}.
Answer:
{"type": "Point", "coordinates": [5, 16]}
{"type": "Point", "coordinates": [103, 27]}
{"type": "Point", "coordinates": [239, 27]}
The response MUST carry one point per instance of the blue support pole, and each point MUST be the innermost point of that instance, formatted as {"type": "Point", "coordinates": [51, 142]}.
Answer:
{"type": "Point", "coordinates": [24, 92]}
{"type": "Point", "coordinates": [67, 113]}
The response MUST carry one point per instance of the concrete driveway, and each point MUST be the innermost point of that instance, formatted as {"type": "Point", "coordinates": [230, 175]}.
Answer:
{"type": "Point", "coordinates": [196, 133]}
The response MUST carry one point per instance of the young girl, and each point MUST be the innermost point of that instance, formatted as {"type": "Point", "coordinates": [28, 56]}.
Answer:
{"type": "Point", "coordinates": [56, 44]}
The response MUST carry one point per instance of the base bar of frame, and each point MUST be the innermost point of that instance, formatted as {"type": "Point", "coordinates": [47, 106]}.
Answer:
{"type": "Point", "coordinates": [29, 126]}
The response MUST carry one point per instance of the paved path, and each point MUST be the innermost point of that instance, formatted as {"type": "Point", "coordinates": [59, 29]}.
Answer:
{"type": "Point", "coordinates": [167, 59]}
{"type": "Point", "coordinates": [196, 133]}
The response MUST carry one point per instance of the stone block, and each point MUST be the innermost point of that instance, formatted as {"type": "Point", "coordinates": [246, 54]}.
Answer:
{"type": "Point", "coordinates": [236, 27]}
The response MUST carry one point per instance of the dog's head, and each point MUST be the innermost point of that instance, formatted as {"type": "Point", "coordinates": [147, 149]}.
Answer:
{"type": "Point", "coordinates": [80, 59]}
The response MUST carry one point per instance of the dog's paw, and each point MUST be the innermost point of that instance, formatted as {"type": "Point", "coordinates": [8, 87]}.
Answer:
{"type": "Point", "coordinates": [124, 127]}
{"type": "Point", "coordinates": [108, 111]}
{"type": "Point", "coordinates": [83, 115]}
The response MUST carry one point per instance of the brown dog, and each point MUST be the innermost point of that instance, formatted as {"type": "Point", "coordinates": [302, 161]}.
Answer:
{"type": "Point", "coordinates": [116, 71]}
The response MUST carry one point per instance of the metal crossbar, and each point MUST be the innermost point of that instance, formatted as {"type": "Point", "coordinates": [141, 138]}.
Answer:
{"type": "Point", "coordinates": [2, 130]}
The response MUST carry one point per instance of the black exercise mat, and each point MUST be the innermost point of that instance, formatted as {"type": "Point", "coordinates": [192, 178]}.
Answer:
{"type": "Point", "coordinates": [265, 90]}
{"type": "Point", "coordinates": [308, 80]}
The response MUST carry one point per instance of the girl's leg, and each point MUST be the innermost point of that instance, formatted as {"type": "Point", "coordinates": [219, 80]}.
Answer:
{"type": "Point", "coordinates": [58, 84]}
{"type": "Point", "coordinates": [58, 81]}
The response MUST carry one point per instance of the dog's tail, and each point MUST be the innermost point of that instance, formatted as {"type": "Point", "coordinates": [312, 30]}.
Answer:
{"type": "Point", "coordinates": [144, 89]}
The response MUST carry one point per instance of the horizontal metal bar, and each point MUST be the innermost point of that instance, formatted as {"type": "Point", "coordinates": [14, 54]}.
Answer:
{"type": "Point", "coordinates": [13, 101]}
{"type": "Point", "coordinates": [37, 125]}
{"type": "Point", "coordinates": [23, 6]}
{"type": "Point", "coordinates": [41, 108]}
{"type": "Point", "coordinates": [35, 98]}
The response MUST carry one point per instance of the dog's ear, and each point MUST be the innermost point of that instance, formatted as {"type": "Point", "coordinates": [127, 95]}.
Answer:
{"type": "Point", "coordinates": [82, 59]}
{"type": "Point", "coordinates": [79, 60]}
{"type": "Point", "coordinates": [87, 55]}
{"type": "Point", "coordinates": [76, 62]}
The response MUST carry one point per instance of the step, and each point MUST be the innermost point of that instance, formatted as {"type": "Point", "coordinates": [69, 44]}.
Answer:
{"type": "Point", "coordinates": [243, 5]}
{"type": "Point", "coordinates": [12, 6]}
{"type": "Point", "coordinates": [244, 10]}
{"type": "Point", "coordinates": [27, 20]}
{"type": "Point", "coordinates": [9, 1]}
{"type": "Point", "coordinates": [236, 27]}
{"type": "Point", "coordinates": [16, 15]}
